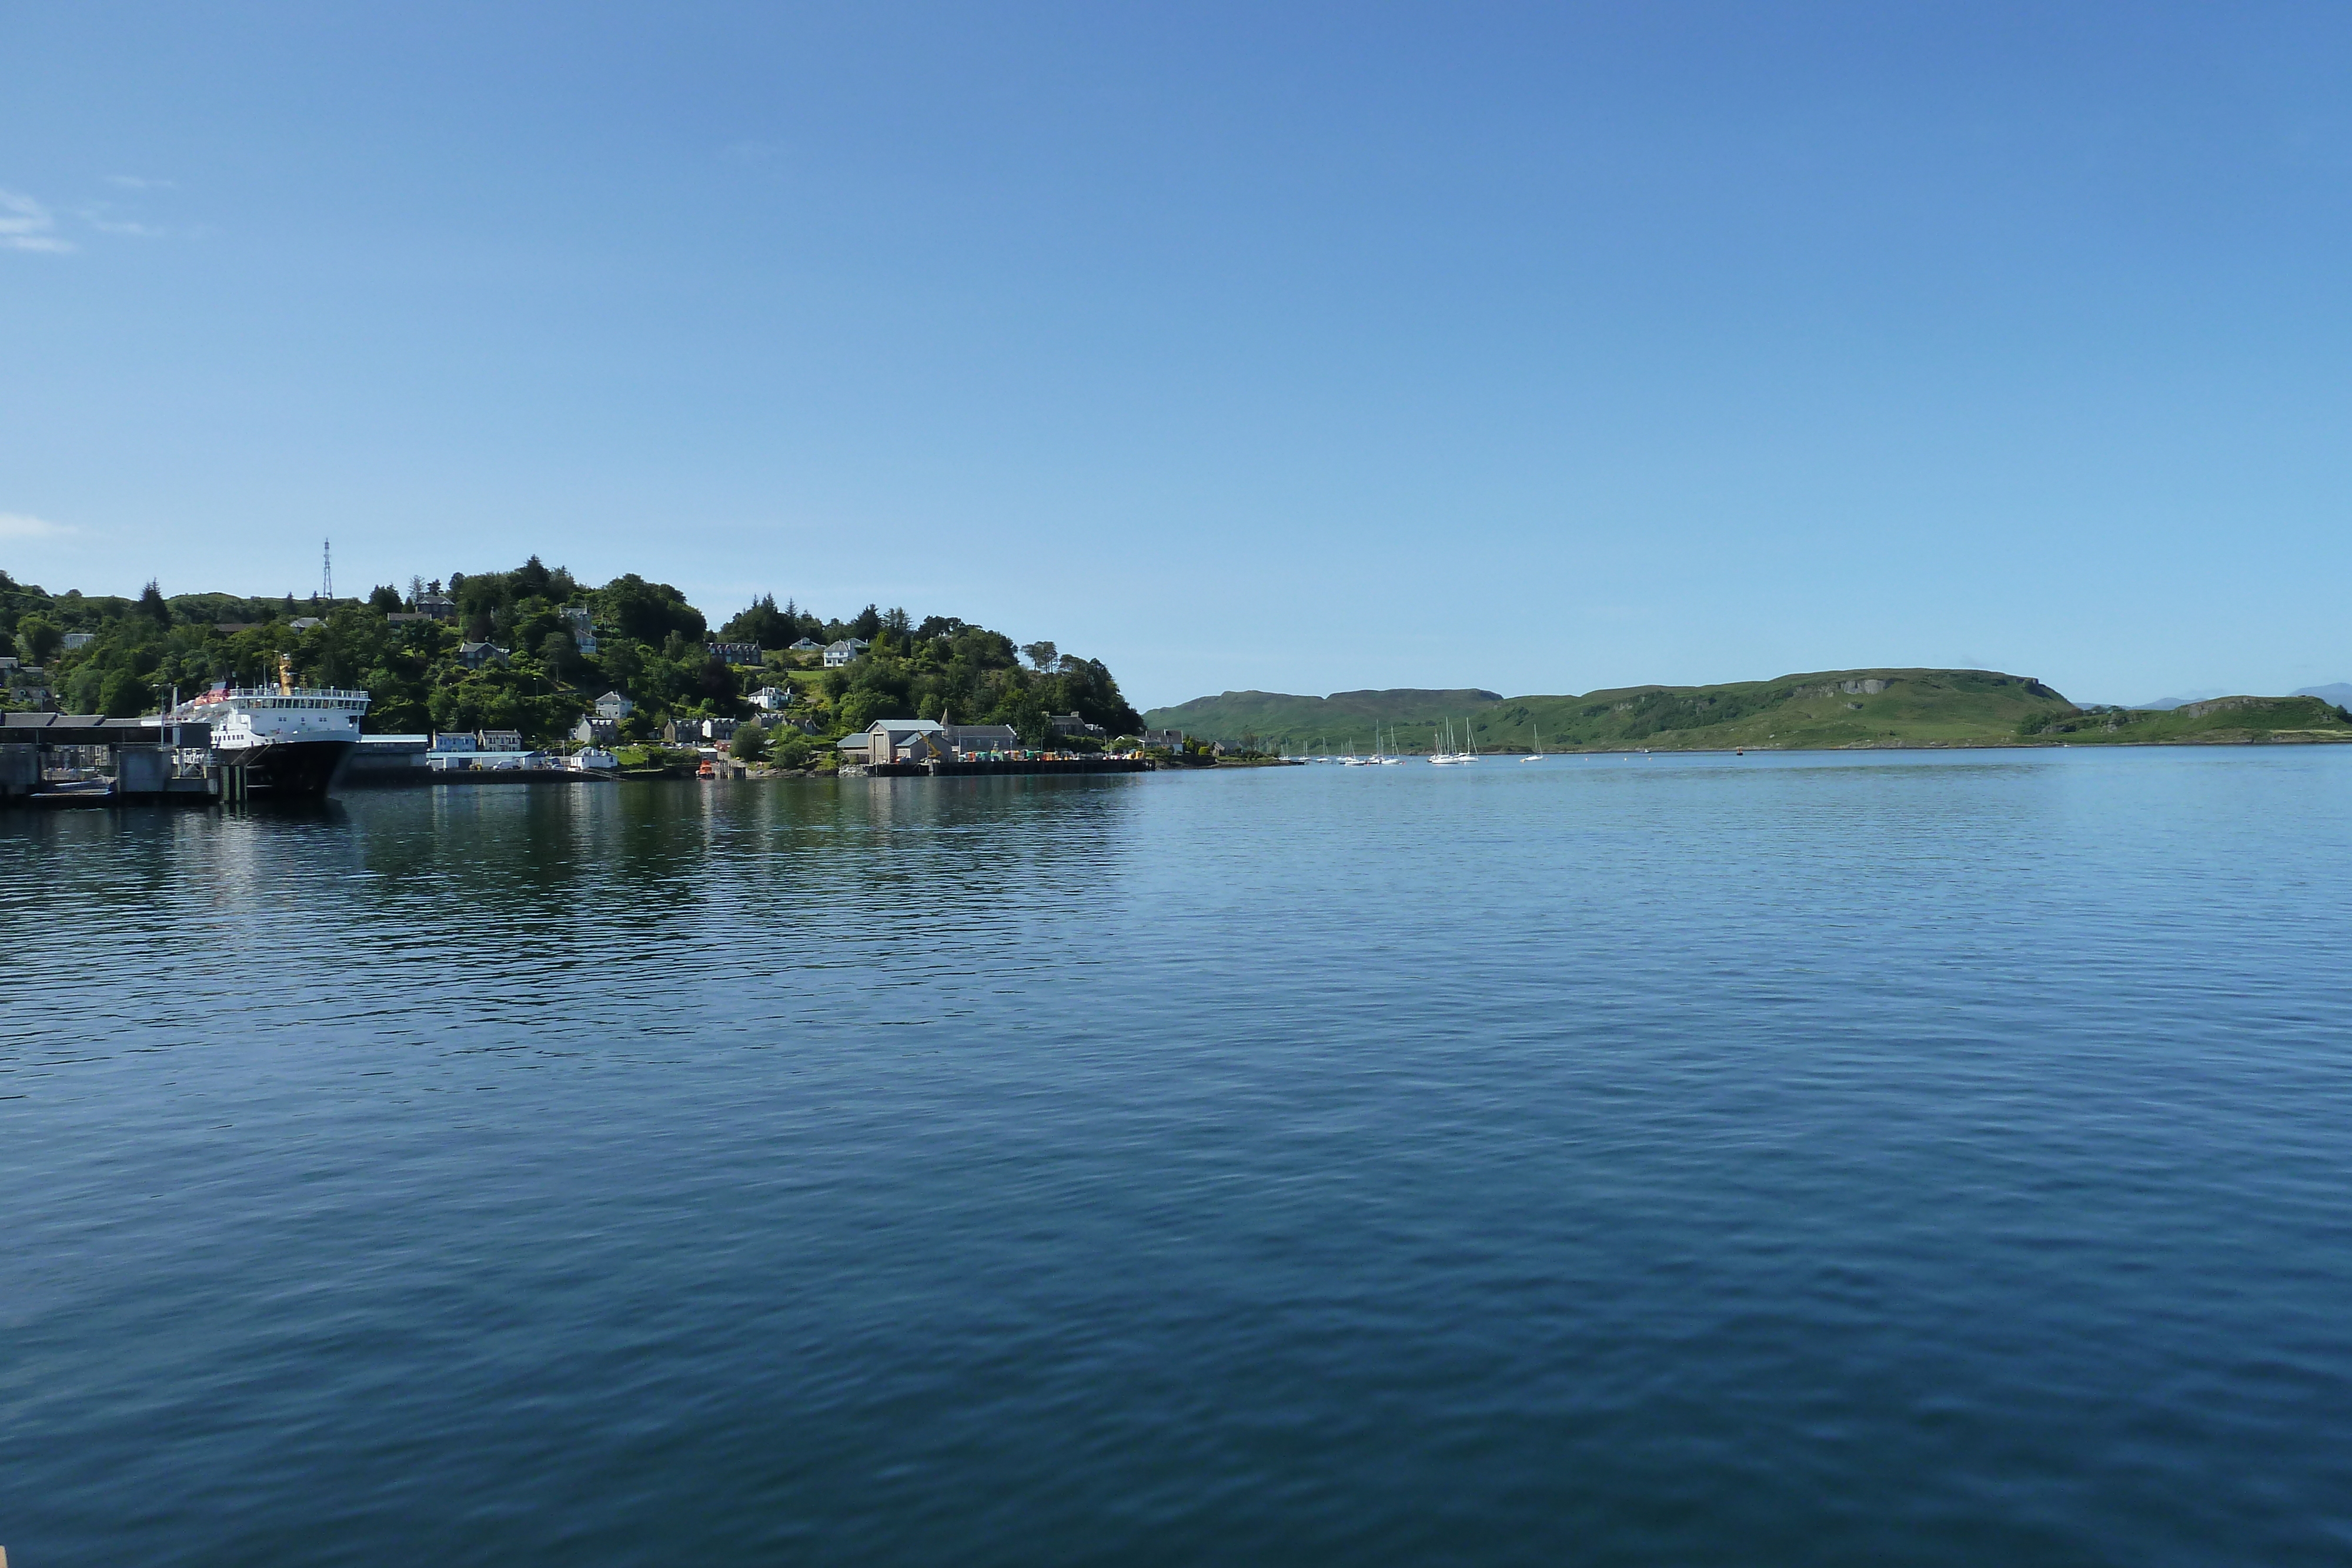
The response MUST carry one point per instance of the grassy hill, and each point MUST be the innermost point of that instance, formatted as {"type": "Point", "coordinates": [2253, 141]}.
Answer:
{"type": "Point", "coordinates": [1824, 709]}
{"type": "Point", "coordinates": [1344, 719]}
{"type": "Point", "coordinates": [2221, 721]}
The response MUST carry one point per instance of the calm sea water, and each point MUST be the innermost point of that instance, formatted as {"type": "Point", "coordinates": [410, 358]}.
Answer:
{"type": "Point", "coordinates": [1897, 1158]}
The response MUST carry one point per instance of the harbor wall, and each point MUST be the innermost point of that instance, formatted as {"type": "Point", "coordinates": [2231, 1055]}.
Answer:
{"type": "Point", "coordinates": [982, 768]}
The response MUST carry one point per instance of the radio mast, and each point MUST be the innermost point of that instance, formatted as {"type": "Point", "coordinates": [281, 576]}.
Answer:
{"type": "Point", "coordinates": [326, 571]}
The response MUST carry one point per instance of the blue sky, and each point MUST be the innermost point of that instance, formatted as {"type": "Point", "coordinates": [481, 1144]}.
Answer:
{"type": "Point", "coordinates": [1301, 348]}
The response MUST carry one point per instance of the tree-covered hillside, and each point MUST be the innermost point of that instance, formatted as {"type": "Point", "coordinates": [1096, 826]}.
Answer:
{"type": "Point", "coordinates": [539, 675]}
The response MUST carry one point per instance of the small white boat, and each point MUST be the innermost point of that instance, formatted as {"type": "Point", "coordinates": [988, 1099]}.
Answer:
{"type": "Point", "coordinates": [1538, 754]}
{"type": "Point", "coordinates": [1470, 753]}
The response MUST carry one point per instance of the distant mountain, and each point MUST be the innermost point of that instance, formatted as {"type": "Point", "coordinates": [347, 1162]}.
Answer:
{"type": "Point", "coordinates": [2339, 694]}
{"type": "Point", "coordinates": [2165, 704]}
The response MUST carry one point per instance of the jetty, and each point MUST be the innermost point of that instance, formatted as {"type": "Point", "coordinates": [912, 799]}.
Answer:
{"type": "Point", "coordinates": [74, 759]}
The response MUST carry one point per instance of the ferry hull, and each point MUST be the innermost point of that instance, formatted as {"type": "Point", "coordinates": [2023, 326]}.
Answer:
{"type": "Point", "coordinates": [295, 769]}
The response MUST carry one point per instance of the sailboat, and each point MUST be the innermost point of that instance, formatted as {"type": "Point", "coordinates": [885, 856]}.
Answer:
{"type": "Point", "coordinates": [1470, 741]}
{"type": "Point", "coordinates": [1392, 760]}
{"type": "Point", "coordinates": [1537, 755]}
{"type": "Point", "coordinates": [1440, 755]}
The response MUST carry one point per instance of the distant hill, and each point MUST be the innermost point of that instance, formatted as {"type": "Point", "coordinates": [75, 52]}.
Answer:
{"type": "Point", "coordinates": [1835, 707]}
{"type": "Point", "coordinates": [1305, 721]}
{"type": "Point", "coordinates": [1823, 709]}
{"type": "Point", "coordinates": [2215, 720]}
{"type": "Point", "coordinates": [2338, 693]}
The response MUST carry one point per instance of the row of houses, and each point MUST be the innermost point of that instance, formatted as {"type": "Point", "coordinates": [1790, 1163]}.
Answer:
{"type": "Point", "coordinates": [27, 683]}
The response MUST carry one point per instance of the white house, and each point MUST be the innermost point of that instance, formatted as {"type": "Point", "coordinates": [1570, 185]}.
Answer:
{"type": "Point", "coordinates": [613, 705]}
{"type": "Point", "coordinates": [841, 653]}
{"type": "Point", "coordinates": [772, 699]}
{"type": "Point", "coordinates": [450, 740]}
{"type": "Point", "coordinates": [84, 639]}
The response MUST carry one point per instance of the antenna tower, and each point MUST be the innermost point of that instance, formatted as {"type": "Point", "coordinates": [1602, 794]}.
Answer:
{"type": "Point", "coordinates": [326, 571]}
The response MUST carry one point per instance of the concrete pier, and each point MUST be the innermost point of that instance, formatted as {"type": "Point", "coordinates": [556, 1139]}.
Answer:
{"type": "Point", "coordinates": [82, 759]}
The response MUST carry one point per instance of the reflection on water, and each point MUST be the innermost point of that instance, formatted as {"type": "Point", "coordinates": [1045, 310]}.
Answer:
{"type": "Point", "coordinates": [1920, 1158]}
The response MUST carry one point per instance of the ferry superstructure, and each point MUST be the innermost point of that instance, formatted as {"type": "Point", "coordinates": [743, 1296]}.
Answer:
{"type": "Point", "coordinates": [290, 740]}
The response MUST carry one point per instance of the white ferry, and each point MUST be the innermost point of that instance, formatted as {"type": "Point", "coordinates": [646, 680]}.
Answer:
{"type": "Point", "coordinates": [290, 740]}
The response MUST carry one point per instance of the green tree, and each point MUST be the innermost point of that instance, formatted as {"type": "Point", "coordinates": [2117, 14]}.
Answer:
{"type": "Point", "coordinates": [792, 750]}
{"type": "Point", "coordinates": [151, 605]}
{"type": "Point", "coordinates": [385, 598]}
{"type": "Point", "coordinates": [760, 623]}
{"type": "Point", "coordinates": [750, 745]}
{"type": "Point", "coordinates": [1041, 654]}
{"type": "Point", "coordinates": [560, 656]}
{"type": "Point", "coordinates": [860, 708]}
{"type": "Point", "coordinates": [40, 636]}
{"type": "Point", "coordinates": [714, 684]}
{"type": "Point", "coordinates": [124, 695]}
{"type": "Point", "coordinates": [650, 611]}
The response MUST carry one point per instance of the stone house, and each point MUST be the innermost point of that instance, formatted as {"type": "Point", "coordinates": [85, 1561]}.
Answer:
{"type": "Point", "coordinates": [698, 731]}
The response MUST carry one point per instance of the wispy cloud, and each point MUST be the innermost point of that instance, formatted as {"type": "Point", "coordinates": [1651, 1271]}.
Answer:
{"type": "Point", "coordinates": [18, 526]}
{"type": "Point", "coordinates": [134, 182]}
{"type": "Point", "coordinates": [26, 225]}
{"type": "Point", "coordinates": [94, 215]}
